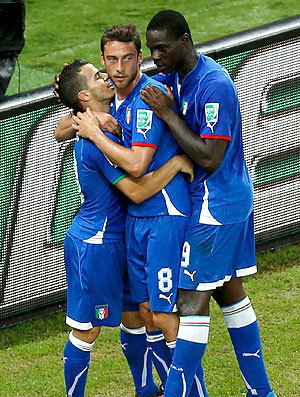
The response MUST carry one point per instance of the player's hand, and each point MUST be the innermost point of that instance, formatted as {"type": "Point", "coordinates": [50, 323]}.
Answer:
{"type": "Point", "coordinates": [159, 102]}
{"type": "Point", "coordinates": [108, 123]}
{"type": "Point", "coordinates": [186, 166]}
{"type": "Point", "coordinates": [169, 93]}
{"type": "Point", "coordinates": [55, 84]}
{"type": "Point", "coordinates": [86, 124]}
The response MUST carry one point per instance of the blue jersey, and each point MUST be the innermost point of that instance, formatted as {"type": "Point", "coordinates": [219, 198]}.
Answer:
{"type": "Point", "coordinates": [101, 217]}
{"type": "Point", "coordinates": [207, 101]}
{"type": "Point", "coordinates": [142, 128]}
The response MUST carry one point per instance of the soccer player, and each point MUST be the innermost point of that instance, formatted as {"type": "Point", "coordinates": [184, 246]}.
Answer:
{"type": "Point", "coordinates": [95, 254]}
{"type": "Point", "coordinates": [155, 229]}
{"type": "Point", "coordinates": [219, 247]}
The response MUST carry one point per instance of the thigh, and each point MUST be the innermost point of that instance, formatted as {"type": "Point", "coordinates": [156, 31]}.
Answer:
{"type": "Point", "coordinates": [212, 255]}
{"type": "Point", "coordinates": [95, 275]}
{"type": "Point", "coordinates": [163, 261]}
{"type": "Point", "coordinates": [137, 232]}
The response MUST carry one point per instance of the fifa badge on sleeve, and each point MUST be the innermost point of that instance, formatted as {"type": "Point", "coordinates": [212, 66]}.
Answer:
{"type": "Point", "coordinates": [144, 121]}
{"type": "Point", "coordinates": [211, 115]}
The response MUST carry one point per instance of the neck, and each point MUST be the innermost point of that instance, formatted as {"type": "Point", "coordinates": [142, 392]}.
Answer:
{"type": "Point", "coordinates": [189, 62]}
{"type": "Point", "coordinates": [123, 92]}
{"type": "Point", "coordinates": [103, 106]}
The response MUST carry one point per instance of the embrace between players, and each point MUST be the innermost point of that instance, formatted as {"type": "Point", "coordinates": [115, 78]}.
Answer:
{"type": "Point", "coordinates": [184, 236]}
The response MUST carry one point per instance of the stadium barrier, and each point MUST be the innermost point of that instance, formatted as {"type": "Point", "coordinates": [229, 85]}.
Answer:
{"type": "Point", "coordinates": [39, 195]}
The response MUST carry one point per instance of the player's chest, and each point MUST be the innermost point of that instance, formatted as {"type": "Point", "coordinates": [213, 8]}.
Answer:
{"type": "Point", "coordinates": [124, 116]}
{"type": "Point", "coordinates": [189, 109]}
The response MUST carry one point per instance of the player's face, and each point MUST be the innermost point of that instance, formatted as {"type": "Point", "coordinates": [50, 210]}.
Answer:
{"type": "Point", "coordinates": [98, 83]}
{"type": "Point", "coordinates": [166, 51]}
{"type": "Point", "coordinates": [122, 63]}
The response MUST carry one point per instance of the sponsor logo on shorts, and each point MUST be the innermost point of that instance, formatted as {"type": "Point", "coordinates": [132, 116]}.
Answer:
{"type": "Point", "coordinates": [101, 312]}
{"type": "Point", "coordinates": [144, 121]}
{"type": "Point", "coordinates": [167, 298]}
{"type": "Point", "coordinates": [191, 275]}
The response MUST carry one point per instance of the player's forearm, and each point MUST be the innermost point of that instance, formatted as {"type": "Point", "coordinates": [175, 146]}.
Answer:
{"type": "Point", "coordinates": [201, 151]}
{"type": "Point", "coordinates": [141, 189]}
{"type": "Point", "coordinates": [64, 129]}
{"type": "Point", "coordinates": [125, 158]}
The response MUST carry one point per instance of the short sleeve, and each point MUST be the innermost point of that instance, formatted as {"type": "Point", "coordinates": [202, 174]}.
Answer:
{"type": "Point", "coordinates": [147, 128]}
{"type": "Point", "coordinates": [216, 101]}
{"type": "Point", "coordinates": [112, 172]}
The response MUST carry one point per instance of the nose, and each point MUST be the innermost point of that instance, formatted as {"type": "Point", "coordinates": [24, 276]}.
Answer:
{"type": "Point", "coordinates": [104, 76]}
{"type": "Point", "coordinates": [120, 66]}
{"type": "Point", "coordinates": [155, 55]}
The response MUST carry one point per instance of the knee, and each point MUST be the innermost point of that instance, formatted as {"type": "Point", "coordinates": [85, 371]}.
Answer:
{"type": "Point", "coordinates": [231, 293]}
{"type": "Point", "coordinates": [147, 317]}
{"type": "Point", "coordinates": [132, 319]}
{"type": "Point", "coordinates": [88, 336]}
{"type": "Point", "coordinates": [167, 323]}
{"type": "Point", "coordinates": [193, 303]}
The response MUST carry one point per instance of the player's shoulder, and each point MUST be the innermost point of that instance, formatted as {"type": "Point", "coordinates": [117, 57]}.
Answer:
{"type": "Point", "coordinates": [147, 80]}
{"type": "Point", "coordinates": [216, 79]}
{"type": "Point", "coordinates": [165, 78]}
{"type": "Point", "coordinates": [88, 149]}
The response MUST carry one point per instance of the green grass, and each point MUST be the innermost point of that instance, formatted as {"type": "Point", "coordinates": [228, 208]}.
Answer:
{"type": "Point", "coordinates": [30, 353]}
{"type": "Point", "coordinates": [61, 30]}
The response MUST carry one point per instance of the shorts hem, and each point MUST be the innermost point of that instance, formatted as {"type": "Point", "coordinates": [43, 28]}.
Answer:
{"type": "Point", "coordinates": [79, 325]}
{"type": "Point", "coordinates": [86, 326]}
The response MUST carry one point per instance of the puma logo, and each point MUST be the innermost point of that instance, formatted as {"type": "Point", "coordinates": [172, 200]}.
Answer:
{"type": "Point", "coordinates": [167, 298]}
{"type": "Point", "coordinates": [191, 275]}
{"type": "Point", "coordinates": [252, 354]}
{"type": "Point", "coordinates": [123, 346]}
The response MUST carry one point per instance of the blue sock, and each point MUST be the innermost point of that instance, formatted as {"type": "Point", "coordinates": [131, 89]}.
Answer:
{"type": "Point", "coordinates": [190, 347]}
{"type": "Point", "coordinates": [160, 354]}
{"type": "Point", "coordinates": [138, 356]}
{"type": "Point", "coordinates": [243, 329]}
{"type": "Point", "coordinates": [197, 386]}
{"type": "Point", "coordinates": [76, 365]}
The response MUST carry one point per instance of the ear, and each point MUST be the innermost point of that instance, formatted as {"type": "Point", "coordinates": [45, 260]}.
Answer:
{"type": "Point", "coordinates": [140, 57]}
{"type": "Point", "coordinates": [83, 96]}
{"type": "Point", "coordinates": [185, 39]}
{"type": "Point", "coordinates": [102, 59]}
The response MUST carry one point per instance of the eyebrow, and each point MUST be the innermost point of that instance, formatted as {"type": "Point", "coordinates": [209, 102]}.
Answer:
{"type": "Point", "coordinates": [114, 56]}
{"type": "Point", "coordinates": [97, 74]}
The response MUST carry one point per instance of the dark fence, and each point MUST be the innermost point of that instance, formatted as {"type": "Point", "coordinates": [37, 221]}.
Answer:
{"type": "Point", "coordinates": [39, 195]}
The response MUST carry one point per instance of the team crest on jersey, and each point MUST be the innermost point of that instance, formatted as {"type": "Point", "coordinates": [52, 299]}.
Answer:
{"type": "Point", "coordinates": [184, 107]}
{"type": "Point", "coordinates": [211, 115]}
{"type": "Point", "coordinates": [128, 115]}
{"type": "Point", "coordinates": [144, 121]}
{"type": "Point", "coordinates": [101, 312]}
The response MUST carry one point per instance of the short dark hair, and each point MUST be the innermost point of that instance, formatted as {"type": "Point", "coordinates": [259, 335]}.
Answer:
{"type": "Point", "coordinates": [172, 21]}
{"type": "Point", "coordinates": [123, 33]}
{"type": "Point", "coordinates": [70, 83]}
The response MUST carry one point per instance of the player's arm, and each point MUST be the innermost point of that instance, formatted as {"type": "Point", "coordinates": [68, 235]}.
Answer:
{"type": "Point", "coordinates": [65, 130]}
{"type": "Point", "coordinates": [134, 160]}
{"type": "Point", "coordinates": [208, 153]}
{"type": "Point", "coordinates": [146, 186]}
